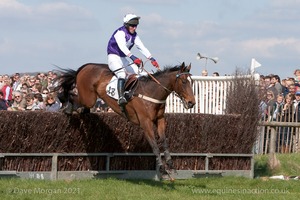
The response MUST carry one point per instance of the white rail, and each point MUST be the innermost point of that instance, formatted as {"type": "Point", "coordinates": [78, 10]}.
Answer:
{"type": "Point", "coordinates": [210, 94]}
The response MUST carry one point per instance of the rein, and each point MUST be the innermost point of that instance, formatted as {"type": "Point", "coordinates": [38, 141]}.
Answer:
{"type": "Point", "coordinates": [153, 78]}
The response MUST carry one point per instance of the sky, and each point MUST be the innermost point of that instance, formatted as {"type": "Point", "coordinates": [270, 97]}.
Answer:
{"type": "Point", "coordinates": [38, 35]}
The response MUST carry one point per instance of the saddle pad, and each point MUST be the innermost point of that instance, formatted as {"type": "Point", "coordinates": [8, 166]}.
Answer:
{"type": "Point", "coordinates": [111, 88]}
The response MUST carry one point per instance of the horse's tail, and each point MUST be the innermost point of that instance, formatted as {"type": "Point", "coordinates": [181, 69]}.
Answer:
{"type": "Point", "coordinates": [67, 82]}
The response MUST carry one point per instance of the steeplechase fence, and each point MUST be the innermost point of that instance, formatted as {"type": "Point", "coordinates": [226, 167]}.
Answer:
{"type": "Point", "coordinates": [38, 144]}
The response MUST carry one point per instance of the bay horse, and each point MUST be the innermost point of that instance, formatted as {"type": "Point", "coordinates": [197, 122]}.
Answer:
{"type": "Point", "coordinates": [147, 106]}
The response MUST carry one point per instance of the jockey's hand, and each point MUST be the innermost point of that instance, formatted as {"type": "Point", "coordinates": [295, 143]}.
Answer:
{"type": "Point", "coordinates": [136, 60]}
{"type": "Point", "coordinates": [154, 62]}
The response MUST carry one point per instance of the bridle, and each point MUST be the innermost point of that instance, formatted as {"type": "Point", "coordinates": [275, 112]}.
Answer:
{"type": "Point", "coordinates": [178, 75]}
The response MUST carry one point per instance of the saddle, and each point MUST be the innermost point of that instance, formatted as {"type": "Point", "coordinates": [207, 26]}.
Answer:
{"type": "Point", "coordinates": [130, 86]}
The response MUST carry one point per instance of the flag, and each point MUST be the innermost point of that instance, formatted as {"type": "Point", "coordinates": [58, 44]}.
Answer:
{"type": "Point", "coordinates": [254, 64]}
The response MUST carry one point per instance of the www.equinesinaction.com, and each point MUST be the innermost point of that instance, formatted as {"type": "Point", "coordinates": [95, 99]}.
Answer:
{"type": "Point", "coordinates": [239, 191]}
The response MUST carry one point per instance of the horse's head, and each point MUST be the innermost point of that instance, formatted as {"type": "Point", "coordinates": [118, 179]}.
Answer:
{"type": "Point", "coordinates": [183, 86]}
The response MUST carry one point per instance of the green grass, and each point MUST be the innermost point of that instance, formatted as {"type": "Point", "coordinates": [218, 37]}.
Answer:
{"type": "Point", "coordinates": [289, 165]}
{"type": "Point", "coordinates": [205, 188]}
{"type": "Point", "coordinates": [202, 188]}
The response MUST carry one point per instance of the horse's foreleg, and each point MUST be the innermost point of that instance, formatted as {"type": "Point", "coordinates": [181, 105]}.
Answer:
{"type": "Point", "coordinates": [149, 134]}
{"type": "Point", "coordinates": [161, 128]}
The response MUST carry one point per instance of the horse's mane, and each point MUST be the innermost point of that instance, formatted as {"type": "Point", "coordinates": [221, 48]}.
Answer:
{"type": "Point", "coordinates": [166, 70]}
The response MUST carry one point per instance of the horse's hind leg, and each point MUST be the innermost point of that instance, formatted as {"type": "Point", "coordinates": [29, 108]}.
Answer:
{"type": "Point", "coordinates": [87, 99]}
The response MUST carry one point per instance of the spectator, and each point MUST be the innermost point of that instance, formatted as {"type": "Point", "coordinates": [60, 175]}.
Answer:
{"type": "Point", "coordinates": [272, 86]}
{"type": "Point", "coordinates": [45, 92]}
{"type": "Point", "coordinates": [30, 103]}
{"type": "Point", "coordinates": [216, 74]}
{"type": "Point", "coordinates": [50, 73]}
{"type": "Point", "coordinates": [16, 85]}
{"type": "Point", "coordinates": [270, 102]}
{"type": "Point", "coordinates": [262, 80]}
{"type": "Point", "coordinates": [277, 84]}
{"type": "Point", "coordinates": [43, 80]}
{"type": "Point", "coordinates": [288, 116]}
{"type": "Point", "coordinates": [263, 107]}
{"type": "Point", "coordinates": [7, 91]}
{"type": "Point", "coordinates": [1, 82]}
{"type": "Point", "coordinates": [3, 103]}
{"type": "Point", "coordinates": [290, 81]}
{"type": "Point", "coordinates": [204, 73]}
{"type": "Point", "coordinates": [292, 90]}
{"type": "Point", "coordinates": [278, 107]}
{"type": "Point", "coordinates": [297, 77]}
{"type": "Point", "coordinates": [31, 81]}
{"type": "Point", "coordinates": [39, 101]}
{"type": "Point", "coordinates": [267, 80]}
{"type": "Point", "coordinates": [24, 89]}
{"type": "Point", "coordinates": [288, 108]}
{"type": "Point", "coordinates": [52, 104]}
{"type": "Point", "coordinates": [36, 88]}
{"type": "Point", "coordinates": [285, 89]}
{"type": "Point", "coordinates": [19, 102]}
{"type": "Point", "coordinates": [50, 83]}
{"type": "Point", "coordinates": [55, 81]}
{"type": "Point", "coordinates": [296, 104]}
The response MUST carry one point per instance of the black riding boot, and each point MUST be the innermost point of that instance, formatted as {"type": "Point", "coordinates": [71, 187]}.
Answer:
{"type": "Point", "coordinates": [122, 100]}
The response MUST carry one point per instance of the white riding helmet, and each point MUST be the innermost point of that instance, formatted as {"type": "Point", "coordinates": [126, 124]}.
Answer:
{"type": "Point", "coordinates": [131, 19]}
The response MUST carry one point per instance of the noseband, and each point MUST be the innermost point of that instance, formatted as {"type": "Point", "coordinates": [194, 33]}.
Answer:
{"type": "Point", "coordinates": [153, 78]}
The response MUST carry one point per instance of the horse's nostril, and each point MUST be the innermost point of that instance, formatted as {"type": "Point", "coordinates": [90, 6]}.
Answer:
{"type": "Point", "coordinates": [191, 104]}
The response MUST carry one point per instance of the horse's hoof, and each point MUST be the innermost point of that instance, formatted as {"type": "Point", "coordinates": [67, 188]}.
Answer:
{"type": "Point", "coordinates": [68, 110]}
{"type": "Point", "coordinates": [173, 171]}
{"type": "Point", "coordinates": [167, 175]}
{"type": "Point", "coordinates": [83, 110]}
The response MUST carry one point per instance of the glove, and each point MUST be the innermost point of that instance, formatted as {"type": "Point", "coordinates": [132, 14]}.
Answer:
{"type": "Point", "coordinates": [136, 60]}
{"type": "Point", "coordinates": [154, 62]}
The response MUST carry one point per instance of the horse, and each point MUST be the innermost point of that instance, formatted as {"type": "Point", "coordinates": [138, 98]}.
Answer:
{"type": "Point", "coordinates": [146, 108]}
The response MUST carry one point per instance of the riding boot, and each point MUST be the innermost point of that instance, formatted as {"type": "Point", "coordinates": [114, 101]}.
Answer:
{"type": "Point", "coordinates": [122, 100]}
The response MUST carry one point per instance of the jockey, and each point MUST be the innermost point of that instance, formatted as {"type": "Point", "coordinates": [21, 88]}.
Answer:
{"type": "Point", "coordinates": [118, 49]}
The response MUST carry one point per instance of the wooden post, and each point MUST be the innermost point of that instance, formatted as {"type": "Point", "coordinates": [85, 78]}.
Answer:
{"type": "Point", "coordinates": [53, 175]}
{"type": "Point", "coordinates": [273, 140]}
{"type": "Point", "coordinates": [297, 139]}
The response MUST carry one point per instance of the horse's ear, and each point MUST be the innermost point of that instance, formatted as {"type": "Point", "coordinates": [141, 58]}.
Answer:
{"type": "Point", "coordinates": [182, 67]}
{"type": "Point", "coordinates": [188, 68]}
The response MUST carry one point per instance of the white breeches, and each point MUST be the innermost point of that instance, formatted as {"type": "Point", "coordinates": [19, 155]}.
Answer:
{"type": "Point", "coordinates": [120, 66]}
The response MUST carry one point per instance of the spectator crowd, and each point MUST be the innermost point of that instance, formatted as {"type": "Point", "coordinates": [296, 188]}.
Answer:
{"type": "Point", "coordinates": [280, 102]}
{"type": "Point", "coordinates": [33, 92]}
{"type": "Point", "coordinates": [279, 98]}
{"type": "Point", "coordinates": [28, 92]}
